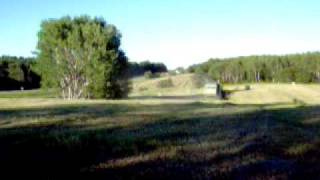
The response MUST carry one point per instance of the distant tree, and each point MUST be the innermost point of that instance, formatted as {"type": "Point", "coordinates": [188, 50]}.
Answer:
{"type": "Point", "coordinates": [181, 70]}
{"type": "Point", "coordinates": [82, 57]}
{"type": "Point", "coordinates": [191, 69]}
{"type": "Point", "coordinates": [148, 75]}
{"type": "Point", "coordinates": [17, 72]}
{"type": "Point", "coordinates": [138, 69]}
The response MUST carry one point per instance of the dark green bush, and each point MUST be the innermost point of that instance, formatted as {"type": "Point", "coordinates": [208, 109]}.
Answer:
{"type": "Point", "coordinates": [150, 75]}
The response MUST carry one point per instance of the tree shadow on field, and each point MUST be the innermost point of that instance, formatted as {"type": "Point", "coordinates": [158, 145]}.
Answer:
{"type": "Point", "coordinates": [258, 143]}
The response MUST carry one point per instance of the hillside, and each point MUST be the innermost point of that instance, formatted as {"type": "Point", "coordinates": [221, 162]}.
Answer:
{"type": "Point", "coordinates": [185, 84]}
{"type": "Point", "coordinates": [260, 93]}
{"type": "Point", "coordinates": [275, 93]}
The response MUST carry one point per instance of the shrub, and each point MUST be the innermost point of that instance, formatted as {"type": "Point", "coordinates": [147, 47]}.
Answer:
{"type": "Point", "coordinates": [156, 75]}
{"type": "Point", "coordinates": [150, 75]}
{"type": "Point", "coordinates": [247, 87]}
{"type": "Point", "coordinates": [165, 83]}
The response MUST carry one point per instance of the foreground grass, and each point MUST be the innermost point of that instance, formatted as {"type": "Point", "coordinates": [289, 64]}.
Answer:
{"type": "Point", "coordinates": [158, 139]}
{"type": "Point", "coordinates": [50, 93]}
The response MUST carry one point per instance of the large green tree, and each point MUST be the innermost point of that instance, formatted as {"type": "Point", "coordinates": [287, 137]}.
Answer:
{"type": "Point", "coordinates": [82, 57]}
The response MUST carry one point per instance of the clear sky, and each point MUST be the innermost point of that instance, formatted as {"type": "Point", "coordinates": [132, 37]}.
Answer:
{"type": "Point", "coordinates": [176, 32]}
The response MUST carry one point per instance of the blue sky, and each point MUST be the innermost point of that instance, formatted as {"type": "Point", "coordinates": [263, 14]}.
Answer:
{"type": "Point", "coordinates": [176, 32]}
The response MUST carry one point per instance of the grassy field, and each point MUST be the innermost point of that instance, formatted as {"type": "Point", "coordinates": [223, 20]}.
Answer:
{"type": "Point", "coordinates": [29, 94]}
{"type": "Point", "coordinates": [275, 93]}
{"type": "Point", "coordinates": [260, 133]}
{"type": "Point", "coordinates": [185, 84]}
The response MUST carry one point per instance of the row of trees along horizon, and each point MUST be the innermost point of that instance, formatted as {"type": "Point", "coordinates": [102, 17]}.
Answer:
{"type": "Point", "coordinates": [20, 72]}
{"type": "Point", "coordinates": [81, 57]}
{"type": "Point", "coordinates": [17, 72]}
{"type": "Point", "coordinates": [302, 68]}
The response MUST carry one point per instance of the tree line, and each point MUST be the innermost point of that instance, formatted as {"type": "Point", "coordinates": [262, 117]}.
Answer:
{"type": "Point", "coordinates": [139, 69]}
{"type": "Point", "coordinates": [17, 73]}
{"type": "Point", "coordinates": [303, 68]}
{"type": "Point", "coordinates": [21, 72]}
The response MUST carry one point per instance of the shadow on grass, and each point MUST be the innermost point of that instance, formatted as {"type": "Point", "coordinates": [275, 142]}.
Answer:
{"type": "Point", "coordinates": [237, 145]}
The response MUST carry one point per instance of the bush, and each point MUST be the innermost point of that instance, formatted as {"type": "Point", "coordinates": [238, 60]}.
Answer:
{"type": "Point", "coordinates": [165, 83]}
{"type": "Point", "coordinates": [156, 75]}
{"type": "Point", "coordinates": [247, 87]}
{"type": "Point", "coordinates": [150, 75]}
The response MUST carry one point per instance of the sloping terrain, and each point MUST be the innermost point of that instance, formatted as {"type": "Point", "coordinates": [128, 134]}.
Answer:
{"type": "Point", "coordinates": [262, 93]}
{"type": "Point", "coordinates": [275, 93]}
{"type": "Point", "coordinates": [185, 84]}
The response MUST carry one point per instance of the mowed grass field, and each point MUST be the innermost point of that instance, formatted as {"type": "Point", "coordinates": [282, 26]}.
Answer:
{"type": "Point", "coordinates": [270, 131]}
{"type": "Point", "coordinates": [275, 93]}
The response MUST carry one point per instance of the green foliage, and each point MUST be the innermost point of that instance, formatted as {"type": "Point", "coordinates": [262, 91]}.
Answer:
{"type": "Point", "coordinates": [82, 57]}
{"type": "Point", "coordinates": [139, 69]}
{"type": "Point", "coordinates": [16, 72]}
{"type": "Point", "coordinates": [303, 68]}
{"type": "Point", "coordinates": [181, 70]}
{"type": "Point", "coordinates": [247, 87]}
{"type": "Point", "coordinates": [148, 75]}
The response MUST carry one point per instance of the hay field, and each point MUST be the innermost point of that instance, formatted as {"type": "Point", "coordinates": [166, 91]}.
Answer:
{"type": "Point", "coordinates": [265, 93]}
{"type": "Point", "coordinates": [261, 93]}
{"type": "Point", "coordinates": [185, 84]}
